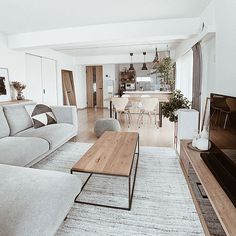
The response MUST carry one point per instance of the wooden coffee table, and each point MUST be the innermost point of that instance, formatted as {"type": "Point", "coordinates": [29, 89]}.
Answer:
{"type": "Point", "coordinates": [113, 154]}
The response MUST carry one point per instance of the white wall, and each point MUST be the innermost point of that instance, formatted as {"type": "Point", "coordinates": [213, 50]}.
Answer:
{"type": "Point", "coordinates": [15, 61]}
{"type": "Point", "coordinates": [81, 86]}
{"type": "Point", "coordinates": [219, 54]}
{"type": "Point", "coordinates": [109, 76]}
{"type": "Point", "coordinates": [208, 68]}
{"type": "Point", "coordinates": [63, 62]}
{"type": "Point", "coordinates": [225, 47]}
{"type": "Point", "coordinates": [208, 18]}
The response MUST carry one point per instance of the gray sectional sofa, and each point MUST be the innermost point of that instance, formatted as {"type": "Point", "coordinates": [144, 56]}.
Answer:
{"type": "Point", "coordinates": [33, 202]}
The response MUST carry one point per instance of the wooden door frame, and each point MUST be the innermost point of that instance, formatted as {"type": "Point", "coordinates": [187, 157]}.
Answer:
{"type": "Point", "coordinates": [72, 83]}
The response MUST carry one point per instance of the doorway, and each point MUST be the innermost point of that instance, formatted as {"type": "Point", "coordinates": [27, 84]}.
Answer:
{"type": "Point", "coordinates": [94, 82]}
{"type": "Point", "coordinates": [68, 88]}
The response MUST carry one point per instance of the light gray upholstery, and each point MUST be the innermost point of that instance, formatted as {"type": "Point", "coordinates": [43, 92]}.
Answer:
{"type": "Point", "coordinates": [17, 118]}
{"type": "Point", "coordinates": [102, 125]}
{"type": "Point", "coordinates": [55, 134]}
{"type": "Point", "coordinates": [20, 151]}
{"type": "Point", "coordinates": [66, 114]}
{"type": "Point", "coordinates": [4, 128]}
{"type": "Point", "coordinates": [34, 202]}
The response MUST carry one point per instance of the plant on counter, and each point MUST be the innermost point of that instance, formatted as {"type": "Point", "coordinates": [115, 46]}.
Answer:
{"type": "Point", "coordinates": [127, 76]}
{"type": "Point", "coordinates": [176, 101]}
{"type": "Point", "coordinates": [166, 70]}
{"type": "Point", "coordinates": [19, 87]}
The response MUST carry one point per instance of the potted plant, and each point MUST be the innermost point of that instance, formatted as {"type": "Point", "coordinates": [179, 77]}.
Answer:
{"type": "Point", "coordinates": [176, 102]}
{"type": "Point", "coordinates": [19, 87]}
{"type": "Point", "coordinates": [166, 70]}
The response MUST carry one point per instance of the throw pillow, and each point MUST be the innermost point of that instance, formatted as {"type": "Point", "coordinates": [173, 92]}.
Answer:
{"type": "Point", "coordinates": [41, 115]}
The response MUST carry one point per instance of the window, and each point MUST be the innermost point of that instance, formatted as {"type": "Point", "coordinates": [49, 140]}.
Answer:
{"type": "Point", "coordinates": [143, 79]}
{"type": "Point", "coordinates": [184, 74]}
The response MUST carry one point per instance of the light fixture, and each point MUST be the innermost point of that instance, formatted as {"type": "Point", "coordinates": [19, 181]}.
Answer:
{"type": "Point", "coordinates": [144, 63]}
{"type": "Point", "coordinates": [156, 59]}
{"type": "Point", "coordinates": [131, 66]}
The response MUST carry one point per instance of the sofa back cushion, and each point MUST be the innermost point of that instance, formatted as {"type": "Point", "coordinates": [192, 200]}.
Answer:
{"type": "Point", "coordinates": [18, 118]}
{"type": "Point", "coordinates": [4, 130]}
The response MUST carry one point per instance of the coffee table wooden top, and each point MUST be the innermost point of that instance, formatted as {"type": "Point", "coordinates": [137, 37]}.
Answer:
{"type": "Point", "coordinates": [112, 154]}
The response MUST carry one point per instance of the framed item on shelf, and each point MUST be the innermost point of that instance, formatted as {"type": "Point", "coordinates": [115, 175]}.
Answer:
{"type": "Point", "coordinates": [5, 91]}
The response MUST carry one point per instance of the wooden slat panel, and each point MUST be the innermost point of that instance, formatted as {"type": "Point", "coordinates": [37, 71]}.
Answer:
{"type": "Point", "coordinates": [112, 154]}
{"type": "Point", "coordinates": [89, 83]}
{"type": "Point", "coordinates": [99, 85]}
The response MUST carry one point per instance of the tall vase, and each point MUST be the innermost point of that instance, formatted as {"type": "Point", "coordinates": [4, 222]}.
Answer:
{"type": "Point", "coordinates": [20, 96]}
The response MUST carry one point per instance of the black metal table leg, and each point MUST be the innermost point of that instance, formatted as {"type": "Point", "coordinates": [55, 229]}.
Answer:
{"type": "Point", "coordinates": [160, 114]}
{"type": "Point", "coordinates": [110, 109]}
{"type": "Point", "coordinates": [135, 173]}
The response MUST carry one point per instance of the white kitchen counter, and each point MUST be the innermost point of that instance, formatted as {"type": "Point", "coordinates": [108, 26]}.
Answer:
{"type": "Point", "coordinates": [161, 95]}
{"type": "Point", "coordinates": [147, 92]}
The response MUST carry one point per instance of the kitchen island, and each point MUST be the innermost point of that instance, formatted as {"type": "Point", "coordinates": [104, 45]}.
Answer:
{"type": "Point", "coordinates": [161, 95]}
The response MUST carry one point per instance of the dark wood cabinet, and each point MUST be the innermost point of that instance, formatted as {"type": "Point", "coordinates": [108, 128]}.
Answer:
{"type": "Point", "coordinates": [216, 211]}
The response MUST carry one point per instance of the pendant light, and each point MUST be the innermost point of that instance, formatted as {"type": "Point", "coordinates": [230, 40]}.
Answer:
{"type": "Point", "coordinates": [144, 63]}
{"type": "Point", "coordinates": [131, 67]}
{"type": "Point", "coordinates": [156, 59]}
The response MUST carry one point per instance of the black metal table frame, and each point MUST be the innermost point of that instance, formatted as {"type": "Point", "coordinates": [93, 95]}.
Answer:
{"type": "Point", "coordinates": [131, 191]}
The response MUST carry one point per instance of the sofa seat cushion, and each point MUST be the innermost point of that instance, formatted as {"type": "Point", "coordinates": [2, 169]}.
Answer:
{"type": "Point", "coordinates": [19, 151]}
{"type": "Point", "coordinates": [4, 130]}
{"type": "Point", "coordinates": [55, 134]}
{"type": "Point", "coordinates": [34, 202]}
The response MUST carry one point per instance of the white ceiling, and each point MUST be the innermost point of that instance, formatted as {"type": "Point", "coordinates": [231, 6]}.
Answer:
{"type": "Point", "coordinates": [19, 16]}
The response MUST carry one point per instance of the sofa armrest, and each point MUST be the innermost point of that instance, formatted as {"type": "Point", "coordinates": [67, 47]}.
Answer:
{"type": "Point", "coordinates": [66, 114]}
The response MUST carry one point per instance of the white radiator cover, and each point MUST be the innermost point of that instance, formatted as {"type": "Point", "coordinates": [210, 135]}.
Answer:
{"type": "Point", "coordinates": [188, 120]}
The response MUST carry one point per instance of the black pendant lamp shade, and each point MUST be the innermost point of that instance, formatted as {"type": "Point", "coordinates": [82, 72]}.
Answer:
{"type": "Point", "coordinates": [131, 67]}
{"type": "Point", "coordinates": [144, 67]}
{"type": "Point", "coordinates": [156, 59]}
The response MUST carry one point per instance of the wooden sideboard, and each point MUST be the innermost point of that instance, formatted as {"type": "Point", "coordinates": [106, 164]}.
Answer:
{"type": "Point", "coordinates": [12, 102]}
{"type": "Point", "coordinates": [220, 202]}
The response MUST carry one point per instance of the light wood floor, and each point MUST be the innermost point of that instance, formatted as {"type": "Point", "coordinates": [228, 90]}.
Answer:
{"type": "Point", "coordinates": [150, 135]}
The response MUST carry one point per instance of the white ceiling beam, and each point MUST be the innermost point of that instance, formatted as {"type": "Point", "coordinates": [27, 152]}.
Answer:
{"type": "Point", "coordinates": [107, 33]}
{"type": "Point", "coordinates": [117, 59]}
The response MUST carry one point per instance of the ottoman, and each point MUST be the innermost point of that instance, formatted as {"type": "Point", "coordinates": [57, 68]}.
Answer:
{"type": "Point", "coordinates": [102, 125]}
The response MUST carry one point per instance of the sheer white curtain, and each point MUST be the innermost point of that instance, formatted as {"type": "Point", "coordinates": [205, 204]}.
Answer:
{"type": "Point", "coordinates": [184, 74]}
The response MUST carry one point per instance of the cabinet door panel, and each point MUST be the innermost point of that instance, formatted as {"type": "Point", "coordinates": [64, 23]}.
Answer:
{"type": "Point", "coordinates": [34, 89]}
{"type": "Point", "coordinates": [49, 78]}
